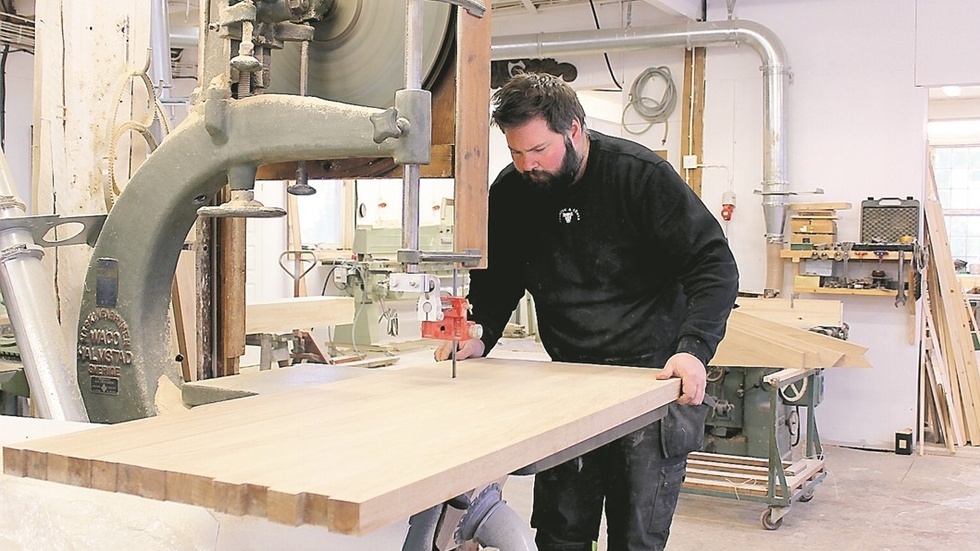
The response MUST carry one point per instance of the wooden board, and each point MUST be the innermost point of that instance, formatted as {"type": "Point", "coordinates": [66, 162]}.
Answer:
{"type": "Point", "coordinates": [751, 341]}
{"type": "Point", "coordinates": [285, 315]}
{"type": "Point", "coordinates": [798, 313]}
{"type": "Point", "coordinates": [356, 454]}
{"type": "Point", "coordinates": [819, 206]}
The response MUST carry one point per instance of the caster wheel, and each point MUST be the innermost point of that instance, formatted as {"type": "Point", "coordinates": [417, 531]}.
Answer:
{"type": "Point", "coordinates": [768, 523]}
{"type": "Point", "coordinates": [806, 496]}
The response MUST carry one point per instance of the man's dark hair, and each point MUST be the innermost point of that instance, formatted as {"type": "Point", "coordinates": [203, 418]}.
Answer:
{"type": "Point", "coordinates": [529, 95]}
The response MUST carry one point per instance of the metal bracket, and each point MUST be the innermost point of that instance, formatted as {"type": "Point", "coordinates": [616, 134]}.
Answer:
{"type": "Point", "coordinates": [39, 226]}
{"type": "Point", "coordinates": [430, 302]}
{"type": "Point", "coordinates": [414, 112]}
{"type": "Point", "coordinates": [817, 191]}
{"type": "Point", "coordinates": [468, 258]}
{"type": "Point", "coordinates": [474, 7]}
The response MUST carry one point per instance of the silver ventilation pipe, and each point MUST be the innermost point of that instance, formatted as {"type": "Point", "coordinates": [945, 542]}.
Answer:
{"type": "Point", "coordinates": [775, 74]}
{"type": "Point", "coordinates": [32, 306]}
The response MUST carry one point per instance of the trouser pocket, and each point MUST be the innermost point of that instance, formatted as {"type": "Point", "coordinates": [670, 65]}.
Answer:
{"type": "Point", "coordinates": [664, 498]}
{"type": "Point", "coordinates": [683, 429]}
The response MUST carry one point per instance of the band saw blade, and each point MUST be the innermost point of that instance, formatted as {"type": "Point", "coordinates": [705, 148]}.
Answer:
{"type": "Point", "coordinates": [358, 52]}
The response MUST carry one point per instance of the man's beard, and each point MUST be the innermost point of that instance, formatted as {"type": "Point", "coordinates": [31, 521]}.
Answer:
{"type": "Point", "coordinates": [565, 175]}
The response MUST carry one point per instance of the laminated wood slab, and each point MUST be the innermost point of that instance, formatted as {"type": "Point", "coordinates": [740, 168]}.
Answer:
{"type": "Point", "coordinates": [285, 315]}
{"type": "Point", "coordinates": [355, 454]}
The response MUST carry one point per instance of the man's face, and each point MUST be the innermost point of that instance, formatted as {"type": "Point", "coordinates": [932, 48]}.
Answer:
{"type": "Point", "coordinates": [544, 158]}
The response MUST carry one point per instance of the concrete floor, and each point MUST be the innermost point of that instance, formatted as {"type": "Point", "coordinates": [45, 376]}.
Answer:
{"type": "Point", "coordinates": [870, 500]}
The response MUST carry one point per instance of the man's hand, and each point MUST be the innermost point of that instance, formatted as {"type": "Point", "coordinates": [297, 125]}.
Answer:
{"type": "Point", "coordinates": [692, 374]}
{"type": "Point", "coordinates": [473, 348]}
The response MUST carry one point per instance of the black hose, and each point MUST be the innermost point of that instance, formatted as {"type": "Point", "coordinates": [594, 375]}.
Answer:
{"type": "Point", "coordinates": [3, 95]}
{"type": "Point", "coordinates": [612, 75]}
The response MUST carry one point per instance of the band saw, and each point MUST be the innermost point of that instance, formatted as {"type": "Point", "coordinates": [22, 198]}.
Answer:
{"type": "Point", "coordinates": [245, 113]}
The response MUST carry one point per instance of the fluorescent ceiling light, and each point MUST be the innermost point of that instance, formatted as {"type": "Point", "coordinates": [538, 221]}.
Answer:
{"type": "Point", "coordinates": [951, 91]}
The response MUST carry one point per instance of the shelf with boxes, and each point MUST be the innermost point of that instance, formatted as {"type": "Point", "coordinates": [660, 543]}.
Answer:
{"type": "Point", "coordinates": [822, 262]}
{"type": "Point", "coordinates": [825, 271]}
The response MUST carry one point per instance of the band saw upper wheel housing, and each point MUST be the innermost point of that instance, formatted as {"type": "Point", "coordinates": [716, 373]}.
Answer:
{"type": "Point", "coordinates": [358, 52]}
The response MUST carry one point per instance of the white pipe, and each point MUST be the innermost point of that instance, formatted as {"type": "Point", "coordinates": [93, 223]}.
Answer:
{"type": "Point", "coordinates": [30, 301]}
{"type": "Point", "coordinates": [160, 47]}
{"type": "Point", "coordinates": [775, 74]}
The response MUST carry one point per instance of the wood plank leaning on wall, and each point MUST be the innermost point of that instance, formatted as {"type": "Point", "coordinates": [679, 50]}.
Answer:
{"type": "Point", "coordinates": [950, 318]}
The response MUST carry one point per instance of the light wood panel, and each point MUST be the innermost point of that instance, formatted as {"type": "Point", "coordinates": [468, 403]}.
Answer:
{"type": "Point", "coordinates": [285, 315]}
{"type": "Point", "coordinates": [356, 454]}
{"type": "Point", "coordinates": [799, 313]}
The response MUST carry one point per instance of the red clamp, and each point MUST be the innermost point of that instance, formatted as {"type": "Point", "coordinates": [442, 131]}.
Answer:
{"type": "Point", "coordinates": [454, 326]}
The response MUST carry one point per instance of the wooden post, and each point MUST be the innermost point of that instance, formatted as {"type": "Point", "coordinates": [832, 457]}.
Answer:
{"type": "Point", "coordinates": [472, 162]}
{"type": "Point", "coordinates": [82, 57]}
{"type": "Point", "coordinates": [692, 114]}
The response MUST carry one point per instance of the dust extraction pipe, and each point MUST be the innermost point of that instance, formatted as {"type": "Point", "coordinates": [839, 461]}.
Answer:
{"type": "Point", "coordinates": [775, 73]}
{"type": "Point", "coordinates": [30, 302]}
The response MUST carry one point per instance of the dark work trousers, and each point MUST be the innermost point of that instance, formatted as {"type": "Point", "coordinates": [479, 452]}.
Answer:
{"type": "Point", "coordinates": [640, 488]}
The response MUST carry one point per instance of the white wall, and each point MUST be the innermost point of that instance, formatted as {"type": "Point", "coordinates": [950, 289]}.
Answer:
{"type": "Point", "coordinates": [946, 35]}
{"type": "Point", "coordinates": [856, 128]}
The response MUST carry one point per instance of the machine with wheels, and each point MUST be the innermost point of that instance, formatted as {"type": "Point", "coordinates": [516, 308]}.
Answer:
{"type": "Point", "coordinates": [748, 447]}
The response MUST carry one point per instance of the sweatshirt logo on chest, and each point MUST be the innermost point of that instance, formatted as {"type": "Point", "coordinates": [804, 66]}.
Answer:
{"type": "Point", "coordinates": [569, 215]}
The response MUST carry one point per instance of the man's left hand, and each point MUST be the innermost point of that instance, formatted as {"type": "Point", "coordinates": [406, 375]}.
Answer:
{"type": "Point", "coordinates": [692, 374]}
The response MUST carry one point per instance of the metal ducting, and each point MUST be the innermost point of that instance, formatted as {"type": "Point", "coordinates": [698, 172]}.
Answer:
{"type": "Point", "coordinates": [775, 74]}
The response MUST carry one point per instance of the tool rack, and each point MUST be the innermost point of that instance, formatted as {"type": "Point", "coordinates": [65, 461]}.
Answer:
{"type": "Point", "coordinates": [772, 480]}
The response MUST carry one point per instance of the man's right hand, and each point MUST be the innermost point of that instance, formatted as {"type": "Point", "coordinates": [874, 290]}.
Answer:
{"type": "Point", "coordinates": [472, 348]}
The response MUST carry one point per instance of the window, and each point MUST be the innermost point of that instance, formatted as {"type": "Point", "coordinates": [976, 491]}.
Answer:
{"type": "Point", "coordinates": [321, 215]}
{"type": "Point", "coordinates": [957, 170]}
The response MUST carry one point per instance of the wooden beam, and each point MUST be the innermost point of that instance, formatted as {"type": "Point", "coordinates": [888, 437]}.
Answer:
{"type": "Point", "coordinates": [692, 114]}
{"type": "Point", "coordinates": [230, 292]}
{"type": "Point", "coordinates": [472, 163]}
{"type": "Point", "coordinates": [441, 166]}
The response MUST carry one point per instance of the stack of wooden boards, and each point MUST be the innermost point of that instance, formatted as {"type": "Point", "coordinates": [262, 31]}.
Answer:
{"type": "Point", "coordinates": [951, 379]}
{"type": "Point", "coordinates": [751, 341]}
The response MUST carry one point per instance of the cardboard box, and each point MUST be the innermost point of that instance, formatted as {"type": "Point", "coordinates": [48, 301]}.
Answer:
{"type": "Point", "coordinates": [806, 281]}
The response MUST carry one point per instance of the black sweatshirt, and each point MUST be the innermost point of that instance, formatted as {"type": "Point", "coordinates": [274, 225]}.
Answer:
{"type": "Point", "coordinates": [626, 266]}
